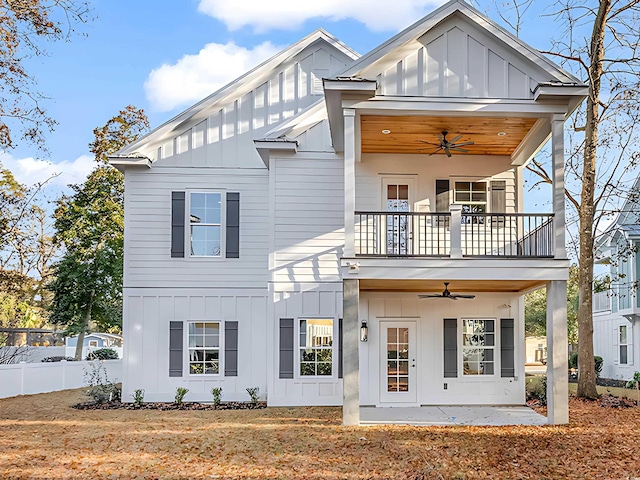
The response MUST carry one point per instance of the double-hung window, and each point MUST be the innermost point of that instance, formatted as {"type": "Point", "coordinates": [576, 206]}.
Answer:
{"type": "Point", "coordinates": [205, 224]}
{"type": "Point", "coordinates": [473, 198]}
{"type": "Point", "coordinates": [478, 346]}
{"type": "Point", "coordinates": [316, 347]}
{"type": "Point", "coordinates": [623, 345]}
{"type": "Point", "coordinates": [204, 348]}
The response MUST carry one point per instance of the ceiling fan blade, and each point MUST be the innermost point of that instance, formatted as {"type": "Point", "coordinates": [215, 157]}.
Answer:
{"type": "Point", "coordinates": [454, 140]}
{"type": "Point", "coordinates": [436, 151]}
{"type": "Point", "coordinates": [459, 295]}
{"type": "Point", "coordinates": [456, 149]}
{"type": "Point", "coordinates": [446, 150]}
{"type": "Point", "coordinates": [431, 295]}
{"type": "Point", "coordinates": [430, 143]}
{"type": "Point", "coordinates": [442, 138]}
{"type": "Point", "coordinates": [461, 144]}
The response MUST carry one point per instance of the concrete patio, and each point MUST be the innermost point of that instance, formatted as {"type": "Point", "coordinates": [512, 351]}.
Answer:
{"type": "Point", "coordinates": [451, 415]}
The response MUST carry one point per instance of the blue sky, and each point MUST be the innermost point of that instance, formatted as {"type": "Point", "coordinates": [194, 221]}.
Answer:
{"type": "Point", "coordinates": [165, 55]}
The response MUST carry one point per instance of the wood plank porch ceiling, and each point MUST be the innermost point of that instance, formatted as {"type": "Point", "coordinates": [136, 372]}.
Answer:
{"type": "Point", "coordinates": [455, 286]}
{"type": "Point", "coordinates": [408, 133]}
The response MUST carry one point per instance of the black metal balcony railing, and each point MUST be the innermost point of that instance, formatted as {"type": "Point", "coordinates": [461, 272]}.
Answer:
{"type": "Point", "coordinates": [507, 235]}
{"type": "Point", "coordinates": [403, 234]}
{"type": "Point", "coordinates": [414, 234]}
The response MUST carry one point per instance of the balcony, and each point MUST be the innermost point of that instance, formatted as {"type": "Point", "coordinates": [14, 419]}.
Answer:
{"type": "Point", "coordinates": [454, 234]}
{"type": "Point", "coordinates": [601, 302]}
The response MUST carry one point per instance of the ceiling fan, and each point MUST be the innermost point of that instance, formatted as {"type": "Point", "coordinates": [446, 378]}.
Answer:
{"type": "Point", "coordinates": [448, 145]}
{"type": "Point", "coordinates": [446, 294]}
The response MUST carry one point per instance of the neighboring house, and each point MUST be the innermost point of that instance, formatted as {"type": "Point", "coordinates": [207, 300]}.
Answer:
{"type": "Point", "coordinates": [616, 312]}
{"type": "Point", "coordinates": [270, 222]}
{"type": "Point", "coordinates": [94, 341]}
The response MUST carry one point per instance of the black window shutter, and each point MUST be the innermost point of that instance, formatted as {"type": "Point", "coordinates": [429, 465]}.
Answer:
{"type": "Point", "coordinates": [507, 348]}
{"type": "Point", "coordinates": [498, 196]}
{"type": "Point", "coordinates": [177, 224]}
{"type": "Point", "coordinates": [340, 354]}
{"type": "Point", "coordinates": [175, 349]}
{"type": "Point", "coordinates": [286, 348]}
{"type": "Point", "coordinates": [450, 347]}
{"type": "Point", "coordinates": [233, 225]}
{"type": "Point", "coordinates": [442, 195]}
{"type": "Point", "coordinates": [230, 349]}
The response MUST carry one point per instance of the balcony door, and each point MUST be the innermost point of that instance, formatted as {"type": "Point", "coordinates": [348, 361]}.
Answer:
{"type": "Point", "coordinates": [397, 193]}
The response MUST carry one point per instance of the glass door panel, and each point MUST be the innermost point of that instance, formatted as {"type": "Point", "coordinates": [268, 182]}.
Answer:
{"type": "Point", "coordinates": [399, 362]}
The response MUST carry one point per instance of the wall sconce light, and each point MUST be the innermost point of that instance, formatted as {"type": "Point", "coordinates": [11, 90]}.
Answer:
{"type": "Point", "coordinates": [364, 331]}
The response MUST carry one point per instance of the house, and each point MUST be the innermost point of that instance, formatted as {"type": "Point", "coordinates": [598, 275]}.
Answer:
{"type": "Point", "coordinates": [94, 341]}
{"type": "Point", "coordinates": [616, 311]}
{"type": "Point", "coordinates": [279, 232]}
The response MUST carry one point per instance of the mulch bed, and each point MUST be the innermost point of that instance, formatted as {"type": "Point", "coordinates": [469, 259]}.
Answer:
{"type": "Point", "coordinates": [609, 401]}
{"type": "Point", "coordinates": [169, 406]}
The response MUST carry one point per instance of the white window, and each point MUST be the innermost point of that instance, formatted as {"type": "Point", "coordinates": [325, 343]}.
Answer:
{"type": "Point", "coordinates": [93, 343]}
{"type": "Point", "coordinates": [478, 346]}
{"type": "Point", "coordinates": [204, 348]}
{"type": "Point", "coordinates": [316, 347]}
{"type": "Point", "coordinates": [623, 345]}
{"type": "Point", "coordinates": [473, 198]}
{"type": "Point", "coordinates": [205, 222]}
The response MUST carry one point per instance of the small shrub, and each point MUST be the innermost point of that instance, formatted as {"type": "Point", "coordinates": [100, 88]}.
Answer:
{"type": "Point", "coordinates": [57, 359]}
{"type": "Point", "coordinates": [536, 388]}
{"type": "Point", "coordinates": [632, 383]}
{"type": "Point", "coordinates": [180, 393]}
{"type": "Point", "coordinates": [138, 397]}
{"type": "Point", "coordinates": [217, 395]}
{"type": "Point", "coordinates": [254, 393]}
{"type": "Point", "coordinates": [103, 354]}
{"type": "Point", "coordinates": [101, 389]}
{"type": "Point", "coordinates": [597, 361]}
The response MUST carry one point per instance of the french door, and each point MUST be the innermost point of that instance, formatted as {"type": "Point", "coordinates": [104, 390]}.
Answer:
{"type": "Point", "coordinates": [398, 362]}
{"type": "Point", "coordinates": [396, 199]}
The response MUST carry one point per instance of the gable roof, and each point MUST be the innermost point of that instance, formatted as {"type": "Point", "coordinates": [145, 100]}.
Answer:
{"type": "Point", "coordinates": [367, 62]}
{"type": "Point", "coordinates": [237, 87]}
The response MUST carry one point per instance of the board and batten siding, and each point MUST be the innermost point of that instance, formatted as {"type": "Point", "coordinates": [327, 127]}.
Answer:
{"type": "Point", "coordinates": [225, 137]}
{"type": "Point", "coordinates": [456, 59]}
{"type": "Point", "coordinates": [606, 345]}
{"type": "Point", "coordinates": [147, 316]}
{"type": "Point", "coordinates": [308, 219]}
{"type": "Point", "coordinates": [295, 302]}
{"type": "Point", "coordinates": [148, 229]}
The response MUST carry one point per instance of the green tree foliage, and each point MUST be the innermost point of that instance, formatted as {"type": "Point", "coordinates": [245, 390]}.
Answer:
{"type": "Point", "coordinates": [89, 226]}
{"type": "Point", "coordinates": [535, 310]}
{"type": "Point", "coordinates": [26, 25]}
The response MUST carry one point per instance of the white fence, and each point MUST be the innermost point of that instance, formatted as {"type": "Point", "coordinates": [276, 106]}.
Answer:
{"type": "Point", "coordinates": [30, 378]}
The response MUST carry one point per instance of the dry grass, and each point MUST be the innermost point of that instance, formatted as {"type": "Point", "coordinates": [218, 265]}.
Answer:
{"type": "Point", "coordinates": [42, 437]}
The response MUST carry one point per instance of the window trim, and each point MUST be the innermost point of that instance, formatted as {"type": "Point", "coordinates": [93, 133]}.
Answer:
{"type": "Point", "coordinates": [187, 350]}
{"type": "Point", "coordinates": [495, 348]}
{"type": "Point", "coordinates": [223, 225]}
{"type": "Point", "coordinates": [620, 344]}
{"type": "Point", "coordinates": [297, 348]}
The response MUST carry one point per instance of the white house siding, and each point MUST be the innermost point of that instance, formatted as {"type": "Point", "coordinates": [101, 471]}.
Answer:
{"type": "Point", "coordinates": [302, 301]}
{"type": "Point", "coordinates": [426, 170]}
{"type": "Point", "coordinates": [428, 314]}
{"type": "Point", "coordinates": [147, 313]}
{"type": "Point", "coordinates": [225, 137]}
{"type": "Point", "coordinates": [605, 344]}
{"type": "Point", "coordinates": [148, 229]}
{"type": "Point", "coordinates": [455, 59]}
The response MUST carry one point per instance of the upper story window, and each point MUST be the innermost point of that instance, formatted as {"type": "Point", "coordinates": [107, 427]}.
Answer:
{"type": "Point", "coordinates": [205, 221]}
{"type": "Point", "coordinates": [478, 345]}
{"type": "Point", "coordinates": [316, 347]}
{"type": "Point", "coordinates": [471, 195]}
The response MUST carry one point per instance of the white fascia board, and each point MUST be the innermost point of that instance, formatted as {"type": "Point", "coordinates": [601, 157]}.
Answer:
{"type": "Point", "coordinates": [412, 33]}
{"type": "Point", "coordinates": [121, 162]}
{"type": "Point", "coordinates": [237, 87]}
{"type": "Point", "coordinates": [265, 147]}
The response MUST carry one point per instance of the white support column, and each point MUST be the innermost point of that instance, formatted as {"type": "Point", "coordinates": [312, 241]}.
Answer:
{"type": "Point", "coordinates": [350, 353]}
{"type": "Point", "coordinates": [456, 230]}
{"type": "Point", "coordinates": [557, 175]}
{"type": "Point", "coordinates": [557, 353]}
{"type": "Point", "coordinates": [349, 182]}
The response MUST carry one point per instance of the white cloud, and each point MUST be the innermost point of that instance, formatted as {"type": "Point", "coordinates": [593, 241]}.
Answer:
{"type": "Point", "coordinates": [195, 77]}
{"type": "Point", "coordinates": [31, 171]}
{"type": "Point", "coordinates": [376, 15]}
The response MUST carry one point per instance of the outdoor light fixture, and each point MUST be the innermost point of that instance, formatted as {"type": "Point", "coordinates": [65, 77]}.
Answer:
{"type": "Point", "coordinates": [364, 331]}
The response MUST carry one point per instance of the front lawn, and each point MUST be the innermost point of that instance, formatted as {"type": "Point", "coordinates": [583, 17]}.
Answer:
{"type": "Point", "coordinates": [41, 436]}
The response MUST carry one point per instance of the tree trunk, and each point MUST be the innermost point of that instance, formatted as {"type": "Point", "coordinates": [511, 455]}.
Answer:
{"type": "Point", "coordinates": [84, 326]}
{"type": "Point", "coordinates": [586, 212]}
